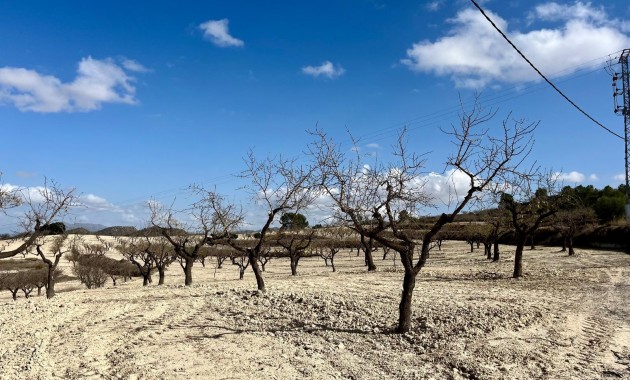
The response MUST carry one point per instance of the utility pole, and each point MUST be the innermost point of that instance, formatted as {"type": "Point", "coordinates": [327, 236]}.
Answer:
{"type": "Point", "coordinates": [624, 111]}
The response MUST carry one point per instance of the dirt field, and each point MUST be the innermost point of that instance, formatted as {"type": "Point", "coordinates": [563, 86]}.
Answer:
{"type": "Point", "coordinates": [568, 318]}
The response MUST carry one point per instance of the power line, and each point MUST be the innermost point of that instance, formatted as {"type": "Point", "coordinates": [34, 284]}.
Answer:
{"type": "Point", "coordinates": [541, 74]}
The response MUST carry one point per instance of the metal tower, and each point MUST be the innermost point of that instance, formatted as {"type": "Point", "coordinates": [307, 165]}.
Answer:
{"type": "Point", "coordinates": [624, 110]}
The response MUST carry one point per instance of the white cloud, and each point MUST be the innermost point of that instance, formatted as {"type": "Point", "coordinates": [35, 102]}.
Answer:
{"type": "Point", "coordinates": [326, 69]}
{"type": "Point", "coordinates": [620, 177]}
{"type": "Point", "coordinates": [434, 6]}
{"type": "Point", "coordinates": [218, 33]}
{"type": "Point", "coordinates": [474, 55]}
{"type": "Point", "coordinates": [593, 177]}
{"type": "Point", "coordinates": [572, 177]}
{"type": "Point", "coordinates": [97, 82]}
{"type": "Point", "coordinates": [553, 11]}
{"type": "Point", "coordinates": [133, 65]}
{"type": "Point", "coordinates": [373, 146]}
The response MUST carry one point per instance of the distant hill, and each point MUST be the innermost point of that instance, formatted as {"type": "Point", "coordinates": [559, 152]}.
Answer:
{"type": "Point", "coordinates": [91, 227]}
{"type": "Point", "coordinates": [117, 231]}
{"type": "Point", "coordinates": [156, 231]}
{"type": "Point", "coordinates": [78, 231]}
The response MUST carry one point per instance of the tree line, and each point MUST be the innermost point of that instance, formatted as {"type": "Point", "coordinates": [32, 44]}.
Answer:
{"type": "Point", "coordinates": [374, 199]}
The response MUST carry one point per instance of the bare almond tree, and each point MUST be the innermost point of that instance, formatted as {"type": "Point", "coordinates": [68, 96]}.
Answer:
{"type": "Point", "coordinates": [277, 185]}
{"type": "Point", "coordinates": [137, 251]}
{"type": "Point", "coordinates": [369, 199]}
{"type": "Point", "coordinates": [529, 199]}
{"type": "Point", "coordinates": [42, 206]}
{"type": "Point", "coordinates": [188, 239]}
{"type": "Point", "coordinates": [50, 255]}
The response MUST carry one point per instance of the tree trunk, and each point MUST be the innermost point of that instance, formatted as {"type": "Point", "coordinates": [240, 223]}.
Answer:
{"type": "Point", "coordinates": [518, 259]}
{"type": "Point", "coordinates": [145, 280]}
{"type": "Point", "coordinates": [404, 309]}
{"type": "Point", "coordinates": [472, 248]}
{"type": "Point", "coordinates": [570, 245]}
{"type": "Point", "coordinates": [369, 260]}
{"type": "Point", "coordinates": [496, 255]}
{"type": "Point", "coordinates": [532, 246]}
{"type": "Point", "coordinates": [50, 282]}
{"type": "Point", "coordinates": [241, 272]}
{"type": "Point", "coordinates": [162, 274]}
{"type": "Point", "coordinates": [564, 245]}
{"type": "Point", "coordinates": [294, 264]}
{"type": "Point", "coordinates": [488, 248]}
{"type": "Point", "coordinates": [188, 265]}
{"type": "Point", "coordinates": [332, 263]}
{"type": "Point", "coordinates": [14, 293]}
{"type": "Point", "coordinates": [260, 281]}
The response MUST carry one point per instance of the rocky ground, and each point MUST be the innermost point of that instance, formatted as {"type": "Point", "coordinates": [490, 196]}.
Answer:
{"type": "Point", "coordinates": [568, 318]}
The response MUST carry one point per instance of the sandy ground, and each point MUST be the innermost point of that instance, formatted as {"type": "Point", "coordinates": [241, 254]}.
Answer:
{"type": "Point", "coordinates": [568, 318]}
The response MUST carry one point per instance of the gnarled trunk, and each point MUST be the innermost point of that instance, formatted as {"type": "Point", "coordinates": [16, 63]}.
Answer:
{"type": "Point", "coordinates": [369, 260]}
{"type": "Point", "coordinates": [50, 282]}
{"type": "Point", "coordinates": [188, 265]}
{"type": "Point", "coordinates": [162, 275]}
{"type": "Point", "coordinates": [404, 308]}
{"type": "Point", "coordinates": [294, 264]}
{"type": "Point", "coordinates": [570, 246]}
{"type": "Point", "coordinates": [260, 281]}
{"type": "Point", "coordinates": [518, 258]}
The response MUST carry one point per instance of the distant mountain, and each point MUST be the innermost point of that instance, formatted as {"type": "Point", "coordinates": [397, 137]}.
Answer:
{"type": "Point", "coordinates": [92, 227]}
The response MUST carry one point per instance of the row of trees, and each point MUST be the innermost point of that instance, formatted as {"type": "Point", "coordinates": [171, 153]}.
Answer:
{"type": "Point", "coordinates": [361, 194]}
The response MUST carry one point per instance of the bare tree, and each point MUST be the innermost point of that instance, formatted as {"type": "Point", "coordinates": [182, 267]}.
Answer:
{"type": "Point", "coordinates": [570, 221]}
{"type": "Point", "coordinates": [137, 251]}
{"type": "Point", "coordinates": [188, 239]}
{"type": "Point", "coordinates": [529, 199]}
{"type": "Point", "coordinates": [242, 262]}
{"type": "Point", "coordinates": [294, 244]}
{"type": "Point", "coordinates": [278, 185]}
{"type": "Point", "coordinates": [56, 249]}
{"type": "Point", "coordinates": [369, 199]}
{"type": "Point", "coordinates": [43, 205]}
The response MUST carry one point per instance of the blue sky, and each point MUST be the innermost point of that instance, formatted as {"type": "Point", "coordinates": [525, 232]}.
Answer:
{"type": "Point", "coordinates": [127, 101]}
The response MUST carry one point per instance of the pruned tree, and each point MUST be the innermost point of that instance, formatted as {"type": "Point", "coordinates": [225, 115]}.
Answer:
{"type": "Point", "coordinates": [188, 239]}
{"type": "Point", "coordinates": [242, 262]}
{"type": "Point", "coordinates": [42, 206]}
{"type": "Point", "coordinates": [369, 199]}
{"type": "Point", "coordinates": [570, 221]}
{"type": "Point", "coordinates": [50, 255]}
{"type": "Point", "coordinates": [276, 184]}
{"type": "Point", "coordinates": [137, 251]}
{"type": "Point", "coordinates": [529, 199]}
{"type": "Point", "coordinates": [294, 245]}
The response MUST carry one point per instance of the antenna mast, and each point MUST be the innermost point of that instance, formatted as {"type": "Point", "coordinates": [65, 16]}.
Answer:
{"type": "Point", "coordinates": [624, 111]}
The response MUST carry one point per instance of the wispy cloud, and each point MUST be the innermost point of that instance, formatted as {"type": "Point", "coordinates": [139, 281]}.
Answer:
{"type": "Point", "coordinates": [326, 69]}
{"type": "Point", "coordinates": [434, 6]}
{"type": "Point", "coordinates": [97, 82]}
{"type": "Point", "coordinates": [572, 177]}
{"type": "Point", "coordinates": [133, 65]}
{"type": "Point", "coordinates": [620, 177]}
{"type": "Point", "coordinates": [474, 55]}
{"type": "Point", "coordinates": [218, 33]}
